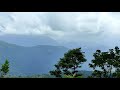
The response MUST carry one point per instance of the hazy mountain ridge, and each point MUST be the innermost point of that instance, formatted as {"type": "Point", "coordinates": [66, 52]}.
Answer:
{"type": "Point", "coordinates": [39, 59]}
{"type": "Point", "coordinates": [28, 40]}
{"type": "Point", "coordinates": [30, 60]}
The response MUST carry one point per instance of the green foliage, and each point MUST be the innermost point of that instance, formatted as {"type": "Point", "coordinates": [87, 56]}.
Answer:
{"type": "Point", "coordinates": [5, 68]}
{"type": "Point", "coordinates": [106, 64]}
{"type": "Point", "coordinates": [69, 64]}
{"type": "Point", "coordinates": [56, 72]}
{"type": "Point", "coordinates": [70, 76]}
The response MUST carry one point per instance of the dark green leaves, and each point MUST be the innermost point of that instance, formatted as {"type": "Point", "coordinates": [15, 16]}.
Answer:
{"type": "Point", "coordinates": [104, 63]}
{"type": "Point", "coordinates": [71, 61]}
{"type": "Point", "coordinates": [5, 68]}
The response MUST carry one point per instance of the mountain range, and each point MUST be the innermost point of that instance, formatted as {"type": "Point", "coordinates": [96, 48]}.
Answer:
{"type": "Point", "coordinates": [23, 60]}
{"type": "Point", "coordinates": [37, 54]}
{"type": "Point", "coordinates": [28, 40]}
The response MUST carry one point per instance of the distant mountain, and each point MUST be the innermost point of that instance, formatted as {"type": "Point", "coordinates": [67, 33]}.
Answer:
{"type": "Point", "coordinates": [86, 73]}
{"type": "Point", "coordinates": [28, 40]}
{"type": "Point", "coordinates": [38, 59]}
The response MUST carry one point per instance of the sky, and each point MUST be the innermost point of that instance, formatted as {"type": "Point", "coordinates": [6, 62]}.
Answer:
{"type": "Point", "coordinates": [91, 28]}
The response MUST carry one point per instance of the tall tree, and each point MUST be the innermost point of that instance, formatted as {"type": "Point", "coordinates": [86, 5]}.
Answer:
{"type": "Point", "coordinates": [106, 64]}
{"type": "Point", "coordinates": [70, 63]}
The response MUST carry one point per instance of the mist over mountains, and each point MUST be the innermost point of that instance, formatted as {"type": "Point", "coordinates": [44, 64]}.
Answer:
{"type": "Point", "coordinates": [98, 28]}
{"type": "Point", "coordinates": [30, 60]}
{"type": "Point", "coordinates": [33, 42]}
{"type": "Point", "coordinates": [37, 54]}
{"type": "Point", "coordinates": [28, 40]}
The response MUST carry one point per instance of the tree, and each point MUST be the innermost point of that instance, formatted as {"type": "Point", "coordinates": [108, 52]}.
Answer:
{"type": "Point", "coordinates": [5, 68]}
{"type": "Point", "coordinates": [106, 64]}
{"type": "Point", "coordinates": [56, 72]}
{"type": "Point", "coordinates": [69, 64]}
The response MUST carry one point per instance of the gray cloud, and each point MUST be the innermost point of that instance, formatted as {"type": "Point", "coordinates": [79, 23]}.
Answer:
{"type": "Point", "coordinates": [91, 27]}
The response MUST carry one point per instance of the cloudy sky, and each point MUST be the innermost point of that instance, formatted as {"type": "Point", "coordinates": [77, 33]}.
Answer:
{"type": "Point", "coordinates": [101, 28]}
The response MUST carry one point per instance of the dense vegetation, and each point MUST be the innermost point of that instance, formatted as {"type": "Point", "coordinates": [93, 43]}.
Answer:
{"type": "Point", "coordinates": [104, 64]}
{"type": "Point", "coordinates": [69, 64]}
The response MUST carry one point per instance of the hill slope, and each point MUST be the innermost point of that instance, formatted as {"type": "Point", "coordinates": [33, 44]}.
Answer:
{"type": "Point", "coordinates": [28, 40]}
{"type": "Point", "coordinates": [30, 60]}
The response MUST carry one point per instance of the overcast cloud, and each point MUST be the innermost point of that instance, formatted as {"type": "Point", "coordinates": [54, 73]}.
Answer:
{"type": "Point", "coordinates": [90, 27]}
